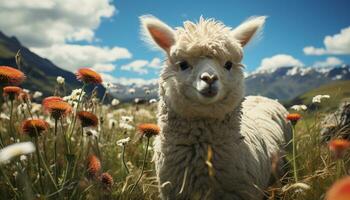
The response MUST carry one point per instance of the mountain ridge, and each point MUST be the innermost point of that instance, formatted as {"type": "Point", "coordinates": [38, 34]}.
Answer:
{"type": "Point", "coordinates": [41, 73]}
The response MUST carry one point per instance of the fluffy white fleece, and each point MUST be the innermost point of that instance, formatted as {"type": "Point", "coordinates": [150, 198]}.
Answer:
{"type": "Point", "coordinates": [242, 144]}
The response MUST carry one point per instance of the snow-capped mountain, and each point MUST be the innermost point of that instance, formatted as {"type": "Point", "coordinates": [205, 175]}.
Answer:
{"type": "Point", "coordinates": [282, 83]}
{"type": "Point", "coordinates": [288, 82]}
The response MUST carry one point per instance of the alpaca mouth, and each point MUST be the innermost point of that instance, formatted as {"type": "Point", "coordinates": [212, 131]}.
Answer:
{"type": "Point", "coordinates": [209, 92]}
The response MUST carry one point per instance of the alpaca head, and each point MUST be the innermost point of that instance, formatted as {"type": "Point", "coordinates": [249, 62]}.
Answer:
{"type": "Point", "coordinates": [203, 74]}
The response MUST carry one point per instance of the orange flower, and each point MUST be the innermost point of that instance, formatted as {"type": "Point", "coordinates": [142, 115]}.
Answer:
{"type": "Point", "coordinates": [87, 119]}
{"type": "Point", "coordinates": [149, 129]}
{"type": "Point", "coordinates": [93, 166]}
{"type": "Point", "coordinates": [24, 96]}
{"type": "Point", "coordinates": [32, 127]}
{"type": "Point", "coordinates": [88, 76]}
{"type": "Point", "coordinates": [340, 190]}
{"type": "Point", "coordinates": [106, 180]}
{"type": "Point", "coordinates": [12, 92]}
{"type": "Point", "coordinates": [338, 147]}
{"type": "Point", "coordinates": [11, 76]}
{"type": "Point", "coordinates": [57, 109]}
{"type": "Point", "coordinates": [51, 99]}
{"type": "Point", "coordinates": [293, 117]}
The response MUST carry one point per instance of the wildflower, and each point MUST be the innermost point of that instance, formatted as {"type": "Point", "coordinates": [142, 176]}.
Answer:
{"type": "Point", "coordinates": [148, 129]}
{"type": "Point", "coordinates": [340, 190]}
{"type": "Point", "coordinates": [24, 96]}
{"type": "Point", "coordinates": [147, 92]}
{"type": "Point", "coordinates": [4, 116]}
{"type": "Point", "coordinates": [87, 119]}
{"type": "Point", "coordinates": [106, 180]}
{"type": "Point", "coordinates": [126, 126]}
{"type": "Point", "coordinates": [11, 76]}
{"type": "Point", "coordinates": [37, 94]}
{"type": "Point", "coordinates": [58, 109]}
{"type": "Point", "coordinates": [23, 158]}
{"type": "Point", "coordinates": [299, 107]}
{"type": "Point", "coordinates": [60, 80]}
{"type": "Point", "coordinates": [22, 108]}
{"type": "Point", "coordinates": [89, 76]}
{"type": "Point", "coordinates": [115, 102]}
{"type": "Point", "coordinates": [14, 150]}
{"type": "Point", "coordinates": [34, 127]}
{"type": "Point", "coordinates": [318, 98]}
{"type": "Point", "coordinates": [132, 91]}
{"type": "Point", "coordinates": [293, 118]}
{"type": "Point", "coordinates": [76, 94]}
{"type": "Point", "coordinates": [112, 123]}
{"type": "Point", "coordinates": [123, 142]}
{"type": "Point", "coordinates": [153, 101]}
{"type": "Point", "coordinates": [12, 92]}
{"type": "Point", "coordinates": [51, 99]}
{"type": "Point", "coordinates": [90, 132]}
{"type": "Point", "coordinates": [127, 119]}
{"type": "Point", "coordinates": [137, 100]}
{"type": "Point", "coordinates": [339, 147]}
{"type": "Point", "coordinates": [93, 166]}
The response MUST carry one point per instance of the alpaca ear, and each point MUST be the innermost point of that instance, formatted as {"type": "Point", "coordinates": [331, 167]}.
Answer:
{"type": "Point", "coordinates": [157, 32]}
{"type": "Point", "coordinates": [248, 29]}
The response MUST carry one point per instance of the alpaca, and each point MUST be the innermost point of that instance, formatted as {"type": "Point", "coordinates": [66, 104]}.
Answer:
{"type": "Point", "coordinates": [214, 142]}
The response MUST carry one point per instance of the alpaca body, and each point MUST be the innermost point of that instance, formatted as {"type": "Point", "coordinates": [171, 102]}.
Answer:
{"type": "Point", "coordinates": [214, 143]}
{"type": "Point", "coordinates": [242, 144]}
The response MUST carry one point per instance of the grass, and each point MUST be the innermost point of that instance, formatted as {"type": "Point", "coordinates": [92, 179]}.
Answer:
{"type": "Point", "coordinates": [316, 167]}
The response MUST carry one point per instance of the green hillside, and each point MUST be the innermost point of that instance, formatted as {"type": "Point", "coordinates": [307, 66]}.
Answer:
{"type": "Point", "coordinates": [338, 91]}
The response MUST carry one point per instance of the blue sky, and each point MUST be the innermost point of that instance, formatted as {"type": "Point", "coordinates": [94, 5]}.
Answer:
{"type": "Point", "coordinates": [291, 26]}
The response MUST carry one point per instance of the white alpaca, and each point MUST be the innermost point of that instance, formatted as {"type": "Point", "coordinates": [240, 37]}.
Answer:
{"type": "Point", "coordinates": [214, 143]}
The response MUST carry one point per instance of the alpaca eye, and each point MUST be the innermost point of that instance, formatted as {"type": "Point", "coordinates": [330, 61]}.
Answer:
{"type": "Point", "coordinates": [184, 65]}
{"type": "Point", "coordinates": [228, 65]}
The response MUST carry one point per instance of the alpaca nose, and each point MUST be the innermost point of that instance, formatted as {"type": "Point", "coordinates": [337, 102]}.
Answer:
{"type": "Point", "coordinates": [209, 79]}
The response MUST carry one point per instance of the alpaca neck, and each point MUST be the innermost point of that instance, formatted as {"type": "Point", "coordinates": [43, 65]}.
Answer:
{"type": "Point", "coordinates": [181, 130]}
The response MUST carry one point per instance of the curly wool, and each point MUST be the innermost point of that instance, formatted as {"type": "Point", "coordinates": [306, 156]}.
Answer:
{"type": "Point", "coordinates": [243, 144]}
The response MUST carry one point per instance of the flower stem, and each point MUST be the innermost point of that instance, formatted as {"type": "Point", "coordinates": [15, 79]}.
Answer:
{"type": "Point", "coordinates": [75, 114]}
{"type": "Point", "coordinates": [123, 159]}
{"type": "Point", "coordinates": [55, 152]}
{"type": "Point", "coordinates": [11, 120]}
{"type": "Point", "coordinates": [44, 164]}
{"type": "Point", "coordinates": [294, 155]}
{"type": "Point", "coordinates": [143, 166]}
{"type": "Point", "coordinates": [39, 164]}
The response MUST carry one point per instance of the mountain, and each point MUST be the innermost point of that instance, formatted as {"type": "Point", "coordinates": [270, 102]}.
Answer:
{"type": "Point", "coordinates": [283, 83]}
{"type": "Point", "coordinates": [41, 73]}
{"type": "Point", "coordinates": [286, 83]}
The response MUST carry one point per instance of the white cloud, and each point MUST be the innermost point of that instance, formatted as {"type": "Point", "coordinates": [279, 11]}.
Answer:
{"type": "Point", "coordinates": [72, 56]}
{"type": "Point", "coordinates": [104, 67]}
{"type": "Point", "coordinates": [329, 62]}
{"type": "Point", "coordinates": [277, 61]}
{"type": "Point", "coordinates": [141, 66]}
{"type": "Point", "coordinates": [51, 27]}
{"type": "Point", "coordinates": [127, 81]}
{"type": "Point", "coordinates": [137, 66]}
{"type": "Point", "coordinates": [336, 44]}
{"type": "Point", "coordinates": [43, 23]}
{"type": "Point", "coordinates": [155, 63]}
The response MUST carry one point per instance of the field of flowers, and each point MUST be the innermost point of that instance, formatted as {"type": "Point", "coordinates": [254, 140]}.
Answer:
{"type": "Point", "coordinates": [77, 146]}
